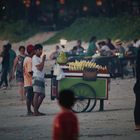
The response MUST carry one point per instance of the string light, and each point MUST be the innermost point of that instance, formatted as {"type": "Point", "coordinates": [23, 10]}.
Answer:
{"type": "Point", "coordinates": [3, 8]}
{"type": "Point", "coordinates": [62, 1]}
{"type": "Point", "coordinates": [37, 2]}
{"type": "Point", "coordinates": [27, 3]}
{"type": "Point", "coordinates": [99, 2]}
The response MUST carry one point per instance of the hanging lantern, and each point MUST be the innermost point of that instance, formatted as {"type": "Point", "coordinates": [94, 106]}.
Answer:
{"type": "Point", "coordinates": [37, 2]}
{"type": "Point", "coordinates": [27, 3]}
{"type": "Point", "coordinates": [99, 2]}
{"type": "Point", "coordinates": [62, 1]}
{"type": "Point", "coordinates": [85, 8]}
{"type": "Point", "coordinates": [24, 1]}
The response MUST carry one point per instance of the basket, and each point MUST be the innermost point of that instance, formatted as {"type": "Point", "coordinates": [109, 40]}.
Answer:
{"type": "Point", "coordinates": [90, 74]}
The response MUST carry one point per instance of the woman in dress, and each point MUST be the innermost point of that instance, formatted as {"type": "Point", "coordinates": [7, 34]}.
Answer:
{"type": "Point", "coordinates": [18, 68]}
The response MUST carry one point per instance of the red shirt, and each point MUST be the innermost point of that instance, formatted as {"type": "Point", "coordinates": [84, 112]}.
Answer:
{"type": "Point", "coordinates": [65, 126]}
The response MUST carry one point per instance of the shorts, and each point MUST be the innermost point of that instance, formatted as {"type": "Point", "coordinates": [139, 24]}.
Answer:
{"type": "Point", "coordinates": [38, 85]}
{"type": "Point", "coordinates": [29, 92]}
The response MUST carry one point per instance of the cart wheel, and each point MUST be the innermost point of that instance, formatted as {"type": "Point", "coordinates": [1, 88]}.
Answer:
{"type": "Point", "coordinates": [80, 105]}
{"type": "Point", "coordinates": [91, 105]}
{"type": "Point", "coordinates": [83, 93]}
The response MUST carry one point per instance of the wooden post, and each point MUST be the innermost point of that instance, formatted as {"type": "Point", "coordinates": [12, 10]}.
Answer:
{"type": "Point", "coordinates": [101, 105]}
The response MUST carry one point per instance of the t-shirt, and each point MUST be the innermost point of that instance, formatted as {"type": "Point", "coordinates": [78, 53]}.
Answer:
{"type": "Point", "coordinates": [27, 67]}
{"type": "Point", "coordinates": [77, 50]}
{"type": "Point", "coordinates": [36, 61]}
{"type": "Point", "coordinates": [121, 50]}
{"type": "Point", "coordinates": [91, 49]}
{"type": "Point", "coordinates": [65, 126]}
{"type": "Point", "coordinates": [105, 48]}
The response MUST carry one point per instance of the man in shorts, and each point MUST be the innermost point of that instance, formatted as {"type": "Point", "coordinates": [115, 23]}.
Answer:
{"type": "Point", "coordinates": [38, 78]}
{"type": "Point", "coordinates": [27, 68]}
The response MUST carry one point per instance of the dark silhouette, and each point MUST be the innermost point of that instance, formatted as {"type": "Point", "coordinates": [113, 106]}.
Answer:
{"type": "Point", "coordinates": [137, 93]}
{"type": "Point", "coordinates": [5, 65]}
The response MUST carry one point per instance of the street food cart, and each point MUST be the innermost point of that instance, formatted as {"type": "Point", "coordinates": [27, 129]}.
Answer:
{"type": "Point", "coordinates": [88, 86]}
{"type": "Point", "coordinates": [88, 89]}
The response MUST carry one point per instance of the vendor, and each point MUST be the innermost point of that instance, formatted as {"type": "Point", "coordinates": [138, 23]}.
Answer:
{"type": "Point", "coordinates": [104, 49]}
{"type": "Point", "coordinates": [92, 46]}
{"type": "Point", "coordinates": [119, 48]}
{"type": "Point", "coordinates": [78, 49]}
{"type": "Point", "coordinates": [54, 54]}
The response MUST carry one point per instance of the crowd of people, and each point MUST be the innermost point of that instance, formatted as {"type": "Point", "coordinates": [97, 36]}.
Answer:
{"type": "Point", "coordinates": [103, 47]}
{"type": "Point", "coordinates": [108, 50]}
{"type": "Point", "coordinates": [28, 69]}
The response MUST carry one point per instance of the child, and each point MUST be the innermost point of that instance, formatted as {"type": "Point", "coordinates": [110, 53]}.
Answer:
{"type": "Point", "coordinates": [27, 67]}
{"type": "Point", "coordinates": [38, 78]}
{"type": "Point", "coordinates": [65, 125]}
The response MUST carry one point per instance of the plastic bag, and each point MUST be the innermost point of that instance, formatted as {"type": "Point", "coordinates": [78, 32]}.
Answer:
{"type": "Point", "coordinates": [58, 72]}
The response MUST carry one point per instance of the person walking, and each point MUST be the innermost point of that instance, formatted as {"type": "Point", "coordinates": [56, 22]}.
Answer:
{"type": "Point", "coordinates": [65, 125]}
{"type": "Point", "coordinates": [18, 68]}
{"type": "Point", "coordinates": [11, 62]}
{"type": "Point", "coordinates": [27, 68]}
{"type": "Point", "coordinates": [5, 65]}
{"type": "Point", "coordinates": [137, 93]}
{"type": "Point", "coordinates": [38, 78]}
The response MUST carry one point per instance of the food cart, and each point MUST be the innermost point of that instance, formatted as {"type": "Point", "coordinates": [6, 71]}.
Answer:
{"type": "Point", "coordinates": [88, 90]}
{"type": "Point", "coordinates": [87, 86]}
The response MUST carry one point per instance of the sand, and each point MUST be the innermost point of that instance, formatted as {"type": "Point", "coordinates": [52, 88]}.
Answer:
{"type": "Point", "coordinates": [115, 122]}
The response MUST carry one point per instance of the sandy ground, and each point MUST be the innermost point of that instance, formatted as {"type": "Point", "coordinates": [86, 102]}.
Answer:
{"type": "Point", "coordinates": [115, 122]}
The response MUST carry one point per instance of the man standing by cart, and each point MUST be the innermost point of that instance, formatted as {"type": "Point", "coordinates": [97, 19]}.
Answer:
{"type": "Point", "coordinates": [27, 68]}
{"type": "Point", "coordinates": [38, 78]}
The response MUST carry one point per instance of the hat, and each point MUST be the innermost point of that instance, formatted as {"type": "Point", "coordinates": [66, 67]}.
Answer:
{"type": "Point", "coordinates": [30, 48]}
{"type": "Point", "coordinates": [118, 42]}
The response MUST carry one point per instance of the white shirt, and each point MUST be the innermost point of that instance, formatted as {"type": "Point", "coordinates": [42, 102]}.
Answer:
{"type": "Point", "coordinates": [37, 73]}
{"type": "Point", "coordinates": [137, 44]}
{"type": "Point", "coordinates": [105, 48]}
